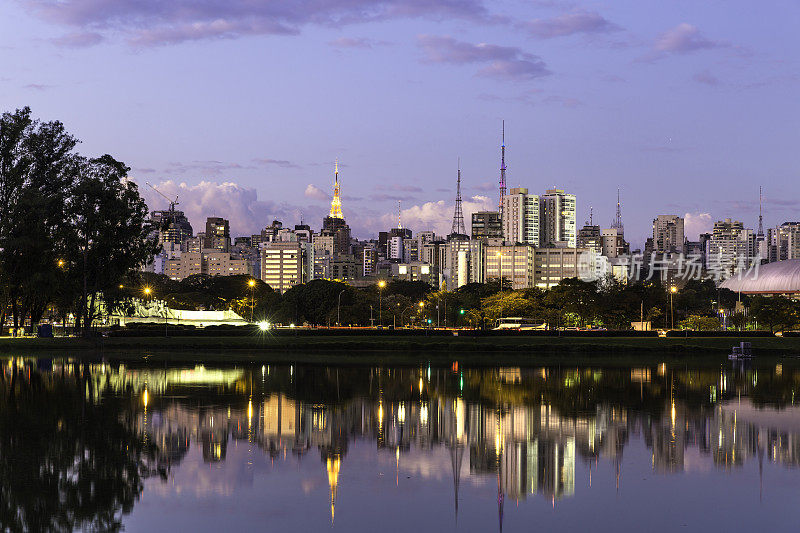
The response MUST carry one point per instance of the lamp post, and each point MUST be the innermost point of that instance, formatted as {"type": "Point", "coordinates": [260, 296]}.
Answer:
{"type": "Point", "coordinates": [252, 284]}
{"type": "Point", "coordinates": [339, 307]}
{"type": "Point", "coordinates": [672, 291]}
{"type": "Point", "coordinates": [381, 285]}
{"type": "Point", "coordinates": [500, 269]}
{"type": "Point", "coordinates": [421, 308]}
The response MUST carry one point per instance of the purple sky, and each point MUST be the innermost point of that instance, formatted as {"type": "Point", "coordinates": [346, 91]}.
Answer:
{"type": "Point", "coordinates": [241, 107]}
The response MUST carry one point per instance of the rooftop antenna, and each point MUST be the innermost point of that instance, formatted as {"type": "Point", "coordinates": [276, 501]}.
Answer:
{"type": "Point", "coordinates": [618, 220]}
{"type": "Point", "coordinates": [760, 218]}
{"type": "Point", "coordinates": [591, 214]}
{"type": "Point", "coordinates": [503, 170]}
{"type": "Point", "coordinates": [399, 221]}
{"type": "Point", "coordinates": [458, 214]}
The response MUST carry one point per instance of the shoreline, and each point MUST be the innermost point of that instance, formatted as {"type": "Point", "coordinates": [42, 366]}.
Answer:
{"type": "Point", "coordinates": [354, 350]}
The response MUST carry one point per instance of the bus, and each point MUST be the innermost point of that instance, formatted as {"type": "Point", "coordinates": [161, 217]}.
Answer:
{"type": "Point", "coordinates": [520, 324]}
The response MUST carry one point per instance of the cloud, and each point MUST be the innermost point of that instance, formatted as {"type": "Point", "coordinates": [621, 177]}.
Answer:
{"type": "Point", "coordinates": [356, 42]}
{"type": "Point", "coordinates": [399, 188]}
{"type": "Point", "coordinates": [78, 40]}
{"type": "Point", "coordinates": [485, 186]}
{"type": "Point", "coordinates": [564, 101]}
{"type": "Point", "coordinates": [160, 22]}
{"type": "Point", "coordinates": [706, 78]}
{"type": "Point", "coordinates": [210, 168]}
{"type": "Point", "coordinates": [276, 162]}
{"type": "Point", "coordinates": [37, 86]}
{"type": "Point", "coordinates": [569, 24]}
{"type": "Point", "coordinates": [239, 204]}
{"type": "Point", "coordinates": [682, 39]}
{"type": "Point", "coordinates": [504, 62]}
{"type": "Point", "coordinates": [436, 216]}
{"type": "Point", "coordinates": [696, 223]}
{"type": "Point", "coordinates": [312, 191]}
{"type": "Point", "coordinates": [382, 197]}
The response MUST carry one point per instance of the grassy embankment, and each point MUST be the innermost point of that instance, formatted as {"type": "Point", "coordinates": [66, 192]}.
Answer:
{"type": "Point", "coordinates": [398, 348]}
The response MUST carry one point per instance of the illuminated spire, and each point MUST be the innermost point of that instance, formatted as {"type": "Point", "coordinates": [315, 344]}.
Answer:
{"type": "Point", "coordinates": [336, 203]}
{"type": "Point", "coordinates": [333, 465]}
{"type": "Point", "coordinates": [760, 218]}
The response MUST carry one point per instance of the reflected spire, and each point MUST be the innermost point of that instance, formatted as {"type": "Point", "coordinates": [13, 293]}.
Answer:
{"type": "Point", "coordinates": [332, 465]}
{"type": "Point", "coordinates": [456, 458]}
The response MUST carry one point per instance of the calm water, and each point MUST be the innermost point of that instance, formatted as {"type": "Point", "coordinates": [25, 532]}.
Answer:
{"type": "Point", "coordinates": [310, 448]}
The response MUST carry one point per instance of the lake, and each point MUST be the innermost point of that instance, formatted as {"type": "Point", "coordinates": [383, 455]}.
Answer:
{"type": "Point", "coordinates": [293, 447]}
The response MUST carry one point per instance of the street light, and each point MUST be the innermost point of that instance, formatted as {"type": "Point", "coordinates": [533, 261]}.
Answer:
{"type": "Point", "coordinates": [381, 285]}
{"type": "Point", "coordinates": [338, 308]}
{"type": "Point", "coordinates": [672, 291]}
{"type": "Point", "coordinates": [252, 283]}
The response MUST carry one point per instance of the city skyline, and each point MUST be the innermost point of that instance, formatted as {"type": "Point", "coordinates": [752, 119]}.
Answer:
{"type": "Point", "coordinates": [668, 102]}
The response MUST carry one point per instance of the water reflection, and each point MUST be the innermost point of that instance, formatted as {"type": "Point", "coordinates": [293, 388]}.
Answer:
{"type": "Point", "coordinates": [78, 442]}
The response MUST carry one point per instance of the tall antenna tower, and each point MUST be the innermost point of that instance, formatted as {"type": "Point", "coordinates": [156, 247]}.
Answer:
{"type": "Point", "coordinates": [458, 214]}
{"type": "Point", "coordinates": [760, 218]}
{"type": "Point", "coordinates": [399, 221]}
{"type": "Point", "coordinates": [502, 170]}
{"type": "Point", "coordinates": [618, 219]}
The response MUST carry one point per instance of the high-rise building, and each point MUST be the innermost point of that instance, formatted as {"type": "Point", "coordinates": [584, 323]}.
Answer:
{"type": "Point", "coordinates": [521, 217]}
{"type": "Point", "coordinates": [218, 234]}
{"type": "Point", "coordinates": [590, 237]}
{"type": "Point", "coordinates": [487, 225]}
{"type": "Point", "coordinates": [514, 263]}
{"type": "Point", "coordinates": [284, 264]}
{"type": "Point", "coordinates": [173, 226]}
{"type": "Point", "coordinates": [730, 248]}
{"type": "Point", "coordinates": [668, 235]}
{"type": "Point", "coordinates": [551, 265]}
{"type": "Point", "coordinates": [614, 244]}
{"type": "Point", "coordinates": [461, 262]}
{"type": "Point", "coordinates": [785, 241]}
{"type": "Point", "coordinates": [557, 226]}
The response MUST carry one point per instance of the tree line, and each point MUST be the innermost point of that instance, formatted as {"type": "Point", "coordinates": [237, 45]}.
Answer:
{"type": "Point", "coordinates": [71, 226]}
{"type": "Point", "coordinates": [697, 305]}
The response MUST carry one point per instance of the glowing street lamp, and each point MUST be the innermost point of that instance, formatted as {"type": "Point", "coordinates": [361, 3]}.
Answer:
{"type": "Point", "coordinates": [381, 285]}
{"type": "Point", "coordinates": [672, 291]}
{"type": "Point", "coordinates": [252, 283]}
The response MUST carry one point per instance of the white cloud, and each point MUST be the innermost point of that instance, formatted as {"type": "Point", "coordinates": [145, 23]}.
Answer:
{"type": "Point", "coordinates": [696, 223]}
{"type": "Point", "coordinates": [437, 216]}
{"type": "Point", "coordinates": [312, 191]}
{"type": "Point", "coordinates": [239, 204]}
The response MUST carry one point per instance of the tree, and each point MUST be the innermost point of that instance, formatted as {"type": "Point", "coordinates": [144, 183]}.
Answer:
{"type": "Point", "coordinates": [775, 312]}
{"type": "Point", "coordinates": [36, 172]}
{"type": "Point", "coordinates": [700, 323]}
{"type": "Point", "coordinates": [109, 233]}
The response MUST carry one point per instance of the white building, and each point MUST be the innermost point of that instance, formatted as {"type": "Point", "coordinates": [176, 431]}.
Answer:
{"type": "Point", "coordinates": [521, 217]}
{"type": "Point", "coordinates": [668, 234]}
{"type": "Point", "coordinates": [730, 249]}
{"type": "Point", "coordinates": [513, 263]}
{"type": "Point", "coordinates": [284, 264]}
{"type": "Point", "coordinates": [557, 226]}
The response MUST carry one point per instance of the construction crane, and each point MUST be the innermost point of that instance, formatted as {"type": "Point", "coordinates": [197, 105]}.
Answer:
{"type": "Point", "coordinates": [172, 203]}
